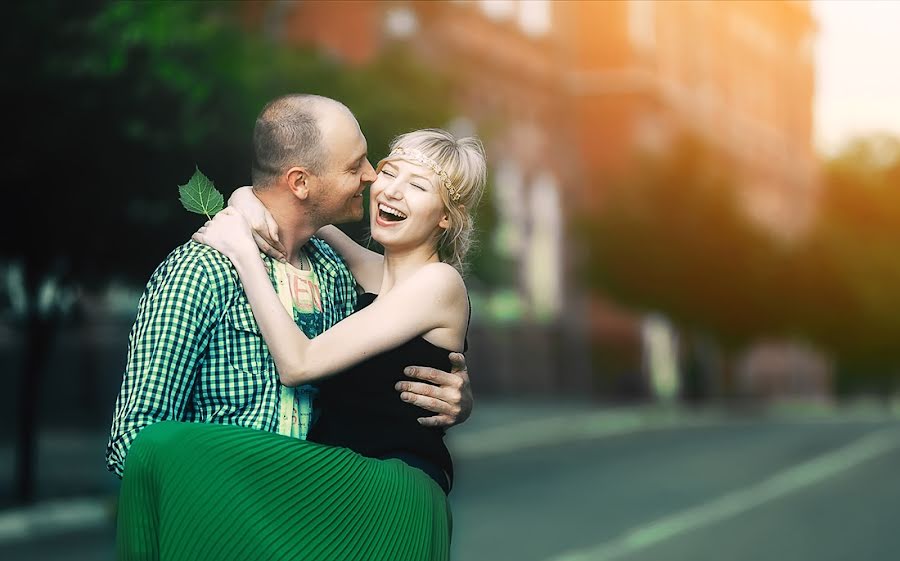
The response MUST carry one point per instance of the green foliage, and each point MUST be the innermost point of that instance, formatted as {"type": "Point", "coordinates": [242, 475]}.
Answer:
{"type": "Point", "coordinates": [848, 272]}
{"type": "Point", "coordinates": [488, 266]}
{"type": "Point", "coordinates": [200, 195]}
{"type": "Point", "coordinates": [672, 238]}
{"type": "Point", "coordinates": [117, 99]}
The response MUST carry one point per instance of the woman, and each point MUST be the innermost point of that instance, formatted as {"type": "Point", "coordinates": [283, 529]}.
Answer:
{"type": "Point", "coordinates": [370, 482]}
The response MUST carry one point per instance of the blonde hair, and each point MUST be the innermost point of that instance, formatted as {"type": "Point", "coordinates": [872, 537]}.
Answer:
{"type": "Point", "coordinates": [464, 167]}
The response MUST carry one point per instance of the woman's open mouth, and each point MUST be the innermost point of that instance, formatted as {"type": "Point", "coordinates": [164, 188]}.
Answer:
{"type": "Point", "coordinates": [389, 214]}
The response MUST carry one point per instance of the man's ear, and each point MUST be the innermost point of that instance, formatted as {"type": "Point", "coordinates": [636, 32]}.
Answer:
{"type": "Point", "coordinates": [299, 179]}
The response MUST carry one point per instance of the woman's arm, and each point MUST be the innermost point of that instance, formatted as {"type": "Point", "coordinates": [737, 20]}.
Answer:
{"type": "Point", "coordinates": [432, 298]}
{"type": "Point", "coordinates": [230, 233]}
{"type": "Point", "coordinates": [262, 223]}
{"type": "Point", "coordinates": [366, 265]}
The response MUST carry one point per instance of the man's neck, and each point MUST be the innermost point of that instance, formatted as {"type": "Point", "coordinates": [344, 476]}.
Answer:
{"type": "Point", "coordinates": [295, 225]}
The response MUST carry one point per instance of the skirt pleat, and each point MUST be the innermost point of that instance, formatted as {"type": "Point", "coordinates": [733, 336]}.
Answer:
{"type": "Point", "coordinates": [198, 492]}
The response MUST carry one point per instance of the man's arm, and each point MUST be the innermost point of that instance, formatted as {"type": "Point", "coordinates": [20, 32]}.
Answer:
{"type": "Point", "coordinates": [170, 334]}
{"type": "Point", "coordinates": [451, 398]}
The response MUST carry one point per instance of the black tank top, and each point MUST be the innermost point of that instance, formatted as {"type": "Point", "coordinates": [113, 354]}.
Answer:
{"type": "Point", "coordinates": [361, 410]}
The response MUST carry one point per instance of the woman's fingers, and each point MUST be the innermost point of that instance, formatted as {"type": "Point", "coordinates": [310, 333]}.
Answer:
{"type": "Point", "coordinates": [272, 226]}
{"type": "Point", "coordinates": [266, 248]}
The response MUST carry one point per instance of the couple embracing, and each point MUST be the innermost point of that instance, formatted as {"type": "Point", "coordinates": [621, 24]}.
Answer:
{"type": "Point", "coordinates": [279, 379]}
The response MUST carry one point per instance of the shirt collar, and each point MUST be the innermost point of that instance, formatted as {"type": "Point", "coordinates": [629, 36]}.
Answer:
{"type": "Point", "coordinates": [315, 251]}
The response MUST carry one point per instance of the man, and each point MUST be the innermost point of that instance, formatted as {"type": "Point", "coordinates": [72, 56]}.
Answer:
{"type": "Point", "coordinates": [195, 352]}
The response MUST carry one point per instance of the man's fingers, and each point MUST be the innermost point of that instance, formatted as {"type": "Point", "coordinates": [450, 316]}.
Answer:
{"type": "Point", "coordinates": [457, 362]}
{"type": "Point", "coordinates": [272, 226]}
{"type": "Point", "coordinates": [264, 246]}
{"type": "Point", "coordinates": [447, 394]}
{"type": "Point", "coordinates": [450, 395]}
{"type": "Point", "coordinates": [429, 403]}
{"type": "Point", "coordinates": [436, 421]}
{"type": "Point", "coordinates": [434, 376]}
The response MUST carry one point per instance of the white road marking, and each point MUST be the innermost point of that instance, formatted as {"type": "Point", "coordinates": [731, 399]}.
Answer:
{"type": "Point", "coordinates": [783, 483]}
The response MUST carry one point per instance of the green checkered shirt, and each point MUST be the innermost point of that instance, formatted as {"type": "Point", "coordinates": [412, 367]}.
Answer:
{"type": "Point", "coordinates": [195, 352]}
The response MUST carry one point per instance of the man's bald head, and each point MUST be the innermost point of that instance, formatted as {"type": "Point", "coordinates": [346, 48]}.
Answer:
{"type": "Point", "coordinates": [289, 132]}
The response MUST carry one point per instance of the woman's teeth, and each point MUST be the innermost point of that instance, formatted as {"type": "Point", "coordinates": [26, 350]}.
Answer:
{"type": "Point", "coordinates": [394, 214]}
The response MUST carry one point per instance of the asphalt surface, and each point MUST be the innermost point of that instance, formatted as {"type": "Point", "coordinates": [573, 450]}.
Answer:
{"type": "Point", "coordinates": [575, 484]}
{"type": "Point", "coordinates": [691, 494]}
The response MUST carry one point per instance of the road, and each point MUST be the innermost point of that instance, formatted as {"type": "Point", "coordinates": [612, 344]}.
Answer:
{"type": "Point", "coordinates": [820, 488]}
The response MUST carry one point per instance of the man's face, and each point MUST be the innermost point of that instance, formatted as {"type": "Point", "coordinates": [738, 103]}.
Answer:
{"type": "Point", "coordinates": [338, 196]}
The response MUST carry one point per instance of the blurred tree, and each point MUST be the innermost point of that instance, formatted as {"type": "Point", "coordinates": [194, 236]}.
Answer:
{"type": "Point", "coordinates": [845, 277]}
{"type": "Point", "coordinates": [672, 238]}
{"type": "Point", "coordinates": [489, 267]}
{"type": "Point", "coordinates": [112, 106]}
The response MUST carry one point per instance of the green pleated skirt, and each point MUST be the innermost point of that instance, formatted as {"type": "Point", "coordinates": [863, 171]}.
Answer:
{"type": "Point", "coordinates": [199, 492]}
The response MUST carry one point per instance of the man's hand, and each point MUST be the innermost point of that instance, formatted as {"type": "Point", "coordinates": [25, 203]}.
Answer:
{"type": "Point", "coordinates": [451, 398]}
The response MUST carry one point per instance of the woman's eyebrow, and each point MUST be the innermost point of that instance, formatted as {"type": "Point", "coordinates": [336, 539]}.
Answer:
{"type": "Point", "coordinates": [422, 177]}
{"type": "Point", "coordinates": [411, 175]}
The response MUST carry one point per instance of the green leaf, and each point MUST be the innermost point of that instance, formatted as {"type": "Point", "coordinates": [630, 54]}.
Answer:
{"type": "Point", "coordinates": [200, 195]}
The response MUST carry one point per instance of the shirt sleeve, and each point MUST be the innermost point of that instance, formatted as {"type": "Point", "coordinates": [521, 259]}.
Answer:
{"type": "Point", "coordinates": [175, 319]}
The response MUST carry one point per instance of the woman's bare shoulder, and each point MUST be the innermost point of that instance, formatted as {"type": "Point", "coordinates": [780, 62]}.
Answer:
{"type": "Point", "coordinates": [442, 277]}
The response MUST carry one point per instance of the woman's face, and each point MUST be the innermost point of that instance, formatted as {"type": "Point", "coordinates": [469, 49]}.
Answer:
{"type": "Point", "coordinates": [406, 207]}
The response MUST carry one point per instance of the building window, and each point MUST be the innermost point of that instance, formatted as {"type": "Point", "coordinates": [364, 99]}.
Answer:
{"type": "Point", "coordinates": [498, 10]}
{"type": "Point", "coordinates": [534, 17]}
{"type": "Point", "coordinates": [400, 22]}
{"type": "Point", "coordinates": [642, 24]}
{"type": "Point", "coordinates": [543, 259]}
{"type": "Point", "coordinates": [509, 185]}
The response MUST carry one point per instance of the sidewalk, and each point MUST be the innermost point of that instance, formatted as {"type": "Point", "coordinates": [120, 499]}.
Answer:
{"type": "Point", "coordinates": [76, 493]}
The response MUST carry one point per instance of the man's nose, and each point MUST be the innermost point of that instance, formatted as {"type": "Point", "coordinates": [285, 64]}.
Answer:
{"type": "Point", "coordinates": [368, 174]}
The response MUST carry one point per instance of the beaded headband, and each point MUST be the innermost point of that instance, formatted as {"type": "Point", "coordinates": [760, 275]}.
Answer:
{"type": "Point", "coordinates": [420, 158]}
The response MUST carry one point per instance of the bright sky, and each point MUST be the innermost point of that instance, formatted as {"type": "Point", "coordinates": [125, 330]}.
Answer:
{"type": "Point", "coordinates": [857, 69]}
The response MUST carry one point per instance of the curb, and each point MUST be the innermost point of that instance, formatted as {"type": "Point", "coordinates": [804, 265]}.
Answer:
{"type": "Point", "coordinates": [55, 517]}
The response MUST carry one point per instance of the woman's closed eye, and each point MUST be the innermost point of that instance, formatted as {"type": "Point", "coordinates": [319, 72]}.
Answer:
{"type": "Point", "coordinates": [419, 187]}
{"type": "Point", "coordinates": [388, 173]}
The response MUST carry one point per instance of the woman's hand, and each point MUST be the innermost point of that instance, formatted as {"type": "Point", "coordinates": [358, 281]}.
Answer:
{"type": "Point", "coordinates": [229, 233]}
{"type": "Point", "coordinates": [262, 224]}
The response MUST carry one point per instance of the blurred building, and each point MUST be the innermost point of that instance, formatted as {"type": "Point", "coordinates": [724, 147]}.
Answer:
{"type": "Point", "coordinates": [738, 74]}
{"type": "Point", "coordinates": [565, 93]}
